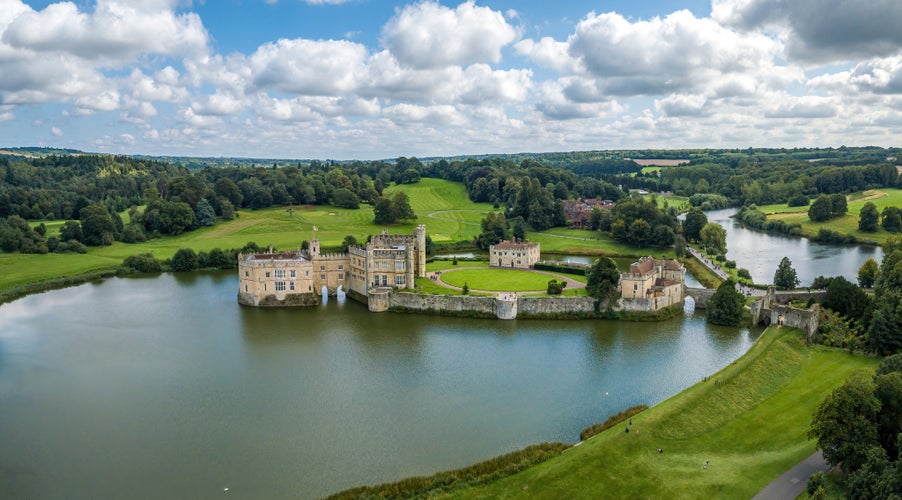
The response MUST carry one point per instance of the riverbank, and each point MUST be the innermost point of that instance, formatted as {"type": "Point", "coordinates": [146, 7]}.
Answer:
{"type": "Point", "coordinates": [711, 438]}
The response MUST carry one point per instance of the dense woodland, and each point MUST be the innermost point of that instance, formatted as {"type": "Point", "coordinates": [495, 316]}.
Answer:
{"type": "Point", "coordinates": [169, 198]}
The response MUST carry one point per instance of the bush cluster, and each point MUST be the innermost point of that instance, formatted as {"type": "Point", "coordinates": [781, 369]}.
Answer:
{"type": "Point", "coordinates": [611, 422]}
{"type": "Point", "coordinates": [483, 472]}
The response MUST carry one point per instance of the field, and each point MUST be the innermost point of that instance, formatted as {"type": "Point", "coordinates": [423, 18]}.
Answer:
{"type": "Point", "coordinates": [847, 224]}
{"type": "Point", "coordinates": [748, 422]}
{"type": "Point", "coordinates": [442, 205]}
{"type": "Point", "coordinates": [501, 280]}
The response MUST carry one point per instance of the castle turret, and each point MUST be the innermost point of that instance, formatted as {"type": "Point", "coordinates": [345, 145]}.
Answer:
{"type": "Point", "coordinates": [314, 248]}
{"type": "Point", "coordinates": [420, 236]}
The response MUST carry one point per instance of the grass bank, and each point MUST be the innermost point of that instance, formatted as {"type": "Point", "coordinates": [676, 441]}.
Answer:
{"type": "Point", "coordinates": [748, 422]}
{"type": "Point", "coordinates": [847, 224]}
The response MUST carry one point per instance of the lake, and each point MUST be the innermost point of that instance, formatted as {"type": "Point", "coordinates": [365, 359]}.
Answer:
{"type": "Point", "coordinates": [761, 252]}
{"type": "Point", "coordinates": [165, 387]}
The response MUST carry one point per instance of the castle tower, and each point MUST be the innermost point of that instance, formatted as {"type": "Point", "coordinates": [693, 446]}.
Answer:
{"type": "Point", "coordinates": [420, 235]}
{"type": "Point", "coordinates": [314, 248]}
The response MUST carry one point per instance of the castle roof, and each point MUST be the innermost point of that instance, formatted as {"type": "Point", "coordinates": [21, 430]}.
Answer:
{"type": "Point", "coordinates": [510, 245]}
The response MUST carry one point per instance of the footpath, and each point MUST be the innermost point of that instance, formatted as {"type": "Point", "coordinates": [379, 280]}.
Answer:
{"type": "Point", "coordinates": [745, 290]}
{"type": "Point", "coordinates": [793, 482]}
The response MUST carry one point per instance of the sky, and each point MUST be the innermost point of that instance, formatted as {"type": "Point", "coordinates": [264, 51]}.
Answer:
{"type": "Point", "coordinates": [373, 79]}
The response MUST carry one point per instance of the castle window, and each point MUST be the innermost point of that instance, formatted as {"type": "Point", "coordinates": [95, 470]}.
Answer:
{"type": "Point", "coordinates": [384, 280]}
{"type": "Point", "coordinates": [322, 268]}
{"type": "Point", "coordinates": [294, 274]}
{"type": "Point", "coordinates": [245, 274]}
{"type": "Point", "coordinates": [291, 286]}
{"type": "Point", "coordinates": [340, 267]}
{"type": "Point", "coordinates": [280, 273]}
{"type": "Point", "coordinates": [322, 276]}
{"type": "Point", "coordinates": [245, 288]}
{"type": "Point", "coordinates": [399, 279]}
{"type": "Point", "coordinates": [399, 265]}
{"type": "Point", "coordinates": [267, 274]}
{"type": "Point", "coordinates": [307, 273]}
{"type": "Point", "coordinates": [280, 286]}
{"type": "Point", "coordinates": [264, 287]}
{"type": "Point", "coordinates": [341, 276]}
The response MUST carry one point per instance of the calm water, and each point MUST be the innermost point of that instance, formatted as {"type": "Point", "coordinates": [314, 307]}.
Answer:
{"type": "Point", "coordinates": [164, 387]}
{"type": "Point", "coordinates": [761, 253]}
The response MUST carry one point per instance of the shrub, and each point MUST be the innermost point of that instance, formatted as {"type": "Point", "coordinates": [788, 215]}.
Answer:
{"type": "Point", "coordinates": [730, 264]}
{"type": "Point", "coordinates": [184, 260]}
{"type": "Point", "coordinates": [143, 263]}
{"type": "Point", "coordinates": [720, 258]}
{"type": "Point", "coordinates": [555, 288]}
{"type": "Point", "coordinates": [799, 200]}
{"type": "Point", "coordinates": [611, 422]}
{"type": "Point", "coordinates": [744, 273]}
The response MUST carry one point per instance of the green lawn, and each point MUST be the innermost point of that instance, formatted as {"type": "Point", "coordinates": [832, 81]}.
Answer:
{"type": "Point", "coordinates": [501, 280]}
{"type": "Point", "coordinates": [847, 224]}
{"type": "Point", "coordinates": [750, 421]}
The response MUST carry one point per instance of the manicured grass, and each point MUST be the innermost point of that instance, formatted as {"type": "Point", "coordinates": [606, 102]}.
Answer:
{"type": "Point", "coordinates": [847, 224]}
{"type": "Point", "coordinates": [750, 421]}
{"type": "Point", "coordinates": [501, 280]}
{"type": "Point", "coordinates": [441, 265]}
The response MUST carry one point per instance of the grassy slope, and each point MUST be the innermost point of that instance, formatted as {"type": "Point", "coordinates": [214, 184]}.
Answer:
{"type": "Point", "coordinates": [750, 420]}
{"type": "Point", "coordinates": [847, 224]}
{"type": "Point", "coordinates": [443, 206]}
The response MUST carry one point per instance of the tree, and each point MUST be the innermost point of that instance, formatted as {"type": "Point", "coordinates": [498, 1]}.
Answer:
{"type": "Point", "coordinates": [382, 209]}
{"type": "Point", "coordinates": [693, 224]}
{"type": "Point", "coordinates": [892, 219]}
{"type": "Point", "coordinates": [348, 242]}
{"type": "Point", "coordinates": [846, 299]}
{"type": "Point", "coordinates": [838, 205]}
{"type": "Point", "coordinates": [714, 238]}
{"type": "Point", "coordinates": [71, 230]}
{"type": "Point", "coordinates": [679, 246]}
{"type": "Point", "coordinates": [494, 230]}
{"type": "Point", "coordinates": [518, 229]}
{"type": "Point", "coordinates": [401, 207]}
{"type": "Point", "coordinates": [184, 260]}
{"type": "Point", "coordinates": [844, 423]}
{"type": "Point", "coordinates": [786, 278]}
{"type": "Point", "coordinates": [344, 198]}
{"type": "Point", "coordinates": [97, 226]}
{"type": "Point", "coordinates": [602, 279]}
{"type": "Point", "coordinates": [821, 209]}
{"type": "Point", "coordinates": [868, 218]}
{"type": "Point", "coordinates": [885, 329]}
{"type": "Point", "coordinates": [867, 273]}
{"type": "Point", "coordinates": [204, 214]}
{"type": "Point", "coordinates": [725, 306]}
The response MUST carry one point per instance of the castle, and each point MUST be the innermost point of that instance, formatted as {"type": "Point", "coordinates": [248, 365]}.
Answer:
{"type": "Point", "coordinates": [652, 284]}
{"type": "Point", "coordinates": [297, 278]}
{"type": "Point", "coordinates": [515, 254]}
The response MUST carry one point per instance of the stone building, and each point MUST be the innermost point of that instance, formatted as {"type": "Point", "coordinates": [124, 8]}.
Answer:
{"type": "Point", "coordinates": [520, 255]}
{"type": "Point", "coordinates": [652, 284]}
{"type": "Point", "coordinates": [299, 277]}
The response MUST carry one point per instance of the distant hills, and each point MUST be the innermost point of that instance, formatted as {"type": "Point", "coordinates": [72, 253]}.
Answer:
{"type": "Point", "coordinates": [578, 161]}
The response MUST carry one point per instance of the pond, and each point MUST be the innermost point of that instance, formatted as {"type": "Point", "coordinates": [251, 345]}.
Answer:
{"type": "Point", "coordinates": [165, 387]}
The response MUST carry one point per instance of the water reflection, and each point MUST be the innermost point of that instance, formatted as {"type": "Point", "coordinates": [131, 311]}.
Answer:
{"type": "Point", "coordinates": [305, 401]}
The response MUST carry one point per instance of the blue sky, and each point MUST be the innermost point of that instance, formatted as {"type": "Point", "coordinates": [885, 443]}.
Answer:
{"type": "Point", "coordinates": [376, 79]}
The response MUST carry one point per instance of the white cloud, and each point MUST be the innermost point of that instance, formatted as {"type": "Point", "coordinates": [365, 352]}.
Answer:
{"type": "Point", "coordinates": [7, 116]}
{"type": "Point", "coordinates": [429, 35]}
{"type": "Point", "coordinates": [117, 30]}
{"type": "Point", "coordinates": [57, 132]}
{"type": "Point", "coordinates": [308, 67]}
{"type": "Point", "coordinates": [821, 32]}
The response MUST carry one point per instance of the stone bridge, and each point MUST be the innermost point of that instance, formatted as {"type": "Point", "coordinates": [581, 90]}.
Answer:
{"type": "Point", "coordinates": [700, 296]}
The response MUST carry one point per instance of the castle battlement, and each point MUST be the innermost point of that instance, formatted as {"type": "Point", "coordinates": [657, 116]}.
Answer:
{"type": "Point", "coordinates": [297, 278]}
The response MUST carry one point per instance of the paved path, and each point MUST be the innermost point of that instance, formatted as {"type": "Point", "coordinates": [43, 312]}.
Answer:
{"type": "Point", "coordinates": [754, 292]}
{"type": "Point", "coordinates": [793, 482]}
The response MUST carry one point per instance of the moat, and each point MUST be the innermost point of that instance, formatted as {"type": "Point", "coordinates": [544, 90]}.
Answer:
{"type": "Point", "coordinates": [163, 387]}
